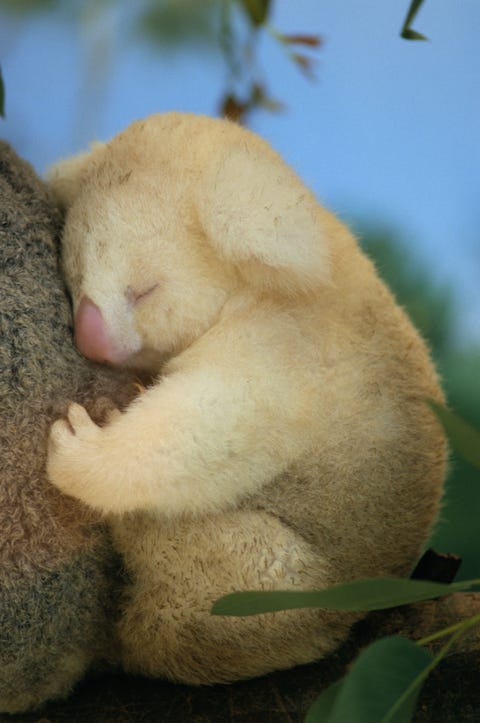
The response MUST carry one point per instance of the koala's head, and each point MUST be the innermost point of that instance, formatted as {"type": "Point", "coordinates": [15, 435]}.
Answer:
{"type": "Point", "coordinates": [170, 219]}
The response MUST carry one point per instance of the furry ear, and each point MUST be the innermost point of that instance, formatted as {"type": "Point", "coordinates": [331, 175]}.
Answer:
{"type": "Point", "coordinates": [65, 177]}
{"type": "Point", "coordinates": [259, 216]}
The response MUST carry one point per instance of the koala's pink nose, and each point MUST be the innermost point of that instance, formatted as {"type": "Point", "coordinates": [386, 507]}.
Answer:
{"type": "Point", "coordinates": [91, 336]}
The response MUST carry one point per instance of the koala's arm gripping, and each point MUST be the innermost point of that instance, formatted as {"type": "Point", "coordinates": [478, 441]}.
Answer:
{"type": "Point", "coordinates": [194, 443]}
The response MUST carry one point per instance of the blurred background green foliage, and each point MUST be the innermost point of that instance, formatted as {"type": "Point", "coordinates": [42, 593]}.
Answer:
{"type": "Point", "coordinates": [432, 308]}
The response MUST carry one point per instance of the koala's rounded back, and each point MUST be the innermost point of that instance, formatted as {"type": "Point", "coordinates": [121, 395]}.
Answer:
{"type": "Point", "coordinates": [56, 565]}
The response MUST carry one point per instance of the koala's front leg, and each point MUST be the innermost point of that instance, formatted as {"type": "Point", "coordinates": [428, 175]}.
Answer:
{"type": "Point", "coordinates": [193, 443]}
{"type": "Point", "coordinates": [81, 457]}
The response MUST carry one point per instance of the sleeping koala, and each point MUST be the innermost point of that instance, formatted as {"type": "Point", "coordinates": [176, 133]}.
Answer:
{"type": "Point", "coordinates": [286, 443]}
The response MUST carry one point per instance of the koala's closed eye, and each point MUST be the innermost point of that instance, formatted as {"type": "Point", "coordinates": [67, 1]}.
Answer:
{"type": "Point", "coordinates": [135, 295]}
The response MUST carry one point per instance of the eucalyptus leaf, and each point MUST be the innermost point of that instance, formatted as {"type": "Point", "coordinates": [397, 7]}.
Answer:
{"type": "Point", "coordinates": [463, 437]}
{"type": "Point", "coordinates": [256, 10]}
{"type": "Point", "coordinates": [322, 709]}
{"type": "Point", "coordinates": [359, 595]}
{"type": "Point", "coordinates": [407, 31]}
{"type": "Point", "coordinates": [409, 34]}
{"type": "Point", "coordinates": [383, 685]}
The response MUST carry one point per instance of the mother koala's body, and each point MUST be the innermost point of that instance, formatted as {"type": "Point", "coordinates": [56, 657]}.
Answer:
{"type": "Point", "coordinates": [55, 562]}
{"type": "Point", "coordinates": [287, 444]}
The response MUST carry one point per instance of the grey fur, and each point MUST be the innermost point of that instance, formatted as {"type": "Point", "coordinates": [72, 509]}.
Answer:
{"type": "Point", "coordinates": [55, 559]}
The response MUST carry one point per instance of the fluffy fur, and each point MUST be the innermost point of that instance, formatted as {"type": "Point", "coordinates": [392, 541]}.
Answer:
{"type": "Point", "coordinates": [56, 566]}
{"type": "Point", "coordinates": [286, 443]}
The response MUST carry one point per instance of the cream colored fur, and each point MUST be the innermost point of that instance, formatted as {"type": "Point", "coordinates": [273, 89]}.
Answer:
{"type": "Point", "coordinates": [286, 442]}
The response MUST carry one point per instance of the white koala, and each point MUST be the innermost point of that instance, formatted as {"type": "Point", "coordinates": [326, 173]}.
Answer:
{"type": "Point", "coordinates": [285, 444]}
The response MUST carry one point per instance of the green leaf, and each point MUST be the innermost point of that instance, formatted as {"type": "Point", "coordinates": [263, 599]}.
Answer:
{"type": "Point", "coordinates": [407, 32]}
{"type": "Point", "coordinates": [322, 709]}
{"type": "Point", "coordinates": [256, 10]}
{"type": "Point", "coordinates": [463, 437]}
{"type": "Point", "coordinates": [2, 95]}
{"type": "Point", "coordinates": [359, 595]}
{"type": "Point", "coordinates": [383, 685]}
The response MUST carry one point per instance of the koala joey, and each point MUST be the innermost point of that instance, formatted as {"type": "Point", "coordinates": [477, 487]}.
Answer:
{"type": "Point", "coordinates": [285, 443]}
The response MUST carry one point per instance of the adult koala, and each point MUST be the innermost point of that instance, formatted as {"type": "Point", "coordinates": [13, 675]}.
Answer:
{"type": "Point", "coordinates": [287, 443]}
{"type": "Point", "coordinates": [56, 563]}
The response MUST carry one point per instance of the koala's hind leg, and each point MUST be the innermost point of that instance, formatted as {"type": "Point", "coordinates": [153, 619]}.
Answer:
{"type": "Point", "coordinates": [179, 569]}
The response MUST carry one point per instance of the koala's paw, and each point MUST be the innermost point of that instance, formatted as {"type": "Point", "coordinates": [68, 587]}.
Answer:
{"type": "Point", "coordinates": [102, 410]}
{"type": "Point", "coordinates": [73, 447]}
{"type": "Point", "coordinates": [68, 434]}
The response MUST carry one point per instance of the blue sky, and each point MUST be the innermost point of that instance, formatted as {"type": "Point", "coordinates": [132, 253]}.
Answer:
{"type": "Point", "coordinates": [389, 132]}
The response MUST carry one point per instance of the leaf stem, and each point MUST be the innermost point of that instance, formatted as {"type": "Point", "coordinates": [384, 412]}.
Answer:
{"type": "Point", "coordinates": [463, 624]}
{"type": "Point", "coordinates": [461, 629]}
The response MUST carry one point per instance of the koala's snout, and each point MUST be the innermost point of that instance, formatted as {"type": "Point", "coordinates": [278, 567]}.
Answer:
{"type": "Point", "coordinates": [92, 338]}
{"type": "Point", "coordinates": [90, 332]}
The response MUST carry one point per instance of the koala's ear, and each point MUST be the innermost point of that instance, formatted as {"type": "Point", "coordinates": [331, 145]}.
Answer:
{"type": "Point", "coordinates": [65, 177]}
{"type": "Point", "coordinates": [259, 216]}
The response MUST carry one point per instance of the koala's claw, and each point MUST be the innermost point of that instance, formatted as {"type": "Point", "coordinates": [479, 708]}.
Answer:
{"type": "Point", "coordinates": [80, 422]}
{"type": "Point", "coordinates": [77, 424]}
{"type": "Point", "coordinates": [60, 432]}
{"type": "Point", "coordinates": [72, 442]}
